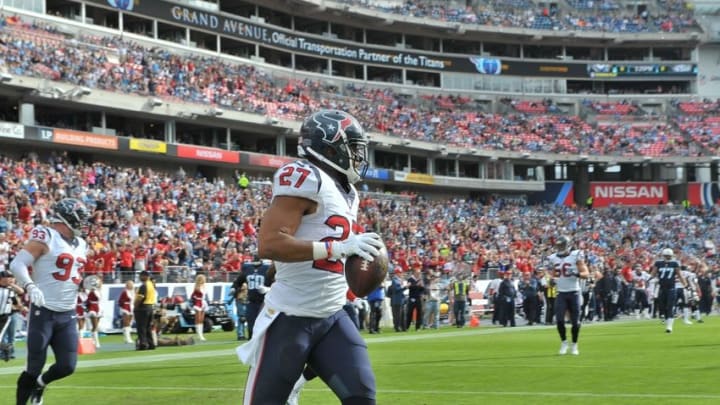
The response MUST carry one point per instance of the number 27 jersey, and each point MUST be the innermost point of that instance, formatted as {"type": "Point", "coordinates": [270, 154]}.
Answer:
{"type": "Point", "coordinates": [313, 288]}
{"type": "Point", "coordinates": [58, 272]}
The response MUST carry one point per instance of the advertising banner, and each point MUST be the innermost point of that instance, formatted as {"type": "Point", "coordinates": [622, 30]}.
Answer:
{"type": "Point", "coordinates": [211, 154]}
{"type": "Point", "coordinates": [11, 130]}
{"type": "Point", "coordinates": [262, 160]}
{"type": "Point", "coordinates": [421, 178]}
{"type": "Point", "coordinates": [556, 192]}
{"type": "Point", "coordinates": [86, 139]}
{"type": "Point", "coordinates": [148, 145]}
{"type": "Point", "coordinates": [110, 293]}
{"type": "Point", "coordinates": [314, 45]}
{"type": "Point", "coordinates": [628, 193]}
{"type": "Point", "coordinates": [377, 174]}
{"type": "Point", "coordinates": [703, 194]}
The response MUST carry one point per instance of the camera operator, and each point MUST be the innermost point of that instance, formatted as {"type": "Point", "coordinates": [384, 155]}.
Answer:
{"type": "Point", "coordinates": [9, 304]}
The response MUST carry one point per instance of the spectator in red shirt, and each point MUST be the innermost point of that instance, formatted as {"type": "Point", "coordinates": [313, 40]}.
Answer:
{"type": "Point", "coordinates": [127, 259]}
{"type": "Point", "coordinates": [108, 264]}
{"type": "Point", "coordinates": [25, 213]}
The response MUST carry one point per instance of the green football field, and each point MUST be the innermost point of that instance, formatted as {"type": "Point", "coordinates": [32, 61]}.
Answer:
{"type": "Point", "coordinates": [624, 362]}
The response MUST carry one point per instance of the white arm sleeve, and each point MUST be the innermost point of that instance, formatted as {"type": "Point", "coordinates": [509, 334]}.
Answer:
{"type": "Point", "coordinates": [19, 267]}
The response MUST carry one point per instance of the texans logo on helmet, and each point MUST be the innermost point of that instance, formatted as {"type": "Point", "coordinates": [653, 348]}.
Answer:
{"type": "Point", "coordinates": [329, 123]}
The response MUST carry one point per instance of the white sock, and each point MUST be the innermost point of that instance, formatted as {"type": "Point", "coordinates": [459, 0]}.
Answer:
{"type": "Point", "coordinates": [300, 382]}
{"type": "Point", "coordinates": [40, 381]}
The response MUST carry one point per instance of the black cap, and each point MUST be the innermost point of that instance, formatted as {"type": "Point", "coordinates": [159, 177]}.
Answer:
{"type": "Point", "coordinates": [144, 273]}
{"type": "Point", "coordinates": [5, 274]}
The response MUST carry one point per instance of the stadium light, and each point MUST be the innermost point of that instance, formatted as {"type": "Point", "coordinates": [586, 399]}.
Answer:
{"type": "Point", "coordinates": [154, 102]}
{"type": "Point", "coordinates": [406, 142]}
{"type": "Point", "coordinates": [584, 157]}
{"type": "Point", "coordinates": [5, 77]}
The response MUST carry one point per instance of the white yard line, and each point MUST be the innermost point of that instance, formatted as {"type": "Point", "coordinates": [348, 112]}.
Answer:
{"type": "Point", "coordinates": [445, 393]}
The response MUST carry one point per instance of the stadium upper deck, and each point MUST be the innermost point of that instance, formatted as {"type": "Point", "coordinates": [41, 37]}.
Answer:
{"type": "Point", "coordinates": [468, 124]}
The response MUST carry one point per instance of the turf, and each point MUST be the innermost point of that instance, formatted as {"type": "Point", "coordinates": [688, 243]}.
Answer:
{"type": "Point", "coordinates": [626, 362]}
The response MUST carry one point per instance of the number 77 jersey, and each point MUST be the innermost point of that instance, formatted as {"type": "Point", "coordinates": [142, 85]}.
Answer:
{"type": "Point", "coordinates": [314, 288]}
{"type": "Point", "coordinates": [565, 270]}
{"type": "Point", "coordinates": [59, 271]}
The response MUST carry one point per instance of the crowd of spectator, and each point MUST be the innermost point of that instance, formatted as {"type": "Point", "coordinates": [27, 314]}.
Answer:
{"type": "Point", "coordinates": [149, 220]}
{"type": "Point", "coordinates": [111, 63]}
{"type": "Point", "coordinates": [583, 15]}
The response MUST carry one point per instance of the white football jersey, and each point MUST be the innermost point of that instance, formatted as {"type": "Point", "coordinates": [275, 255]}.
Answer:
{"type": "Point", "coordinates": [690, 278]}
{"type": "Point", "coordinates": [640, 281]}
{"type": "Point", "coordinates": [58, 272]}
{"type": "Point", "coordinates": [313, 288]}
{"type": "Point", "coordinates": [565, 270]}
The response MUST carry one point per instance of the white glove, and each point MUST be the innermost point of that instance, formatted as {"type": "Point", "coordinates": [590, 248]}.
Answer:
{"type": "Point", "coordinates": [365, 245]}
{"type": "Point", "coordinates": [262, 289]}
{"type": "Point", "coordinates": [36, 296]}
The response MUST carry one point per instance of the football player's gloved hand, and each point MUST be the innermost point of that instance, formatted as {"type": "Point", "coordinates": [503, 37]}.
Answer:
{"type": "Point", "coordinates": [36, 296]}
{"type": "Point", "coordinates": [262, 289]}
{"type": "Point", "coordinates": [365, 245]}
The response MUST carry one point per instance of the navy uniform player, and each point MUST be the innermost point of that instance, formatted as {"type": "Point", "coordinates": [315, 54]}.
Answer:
{"type": "Point", "coordinates": [667, 270]}
{"type": "Point", "coordinates": [56, 254]}
{"type": "Point", "coordinates": [256, 275]}
{"type": "Point", "coordinates": [568, 267]}
{"type": "Point", "coordinates": [308, 231]}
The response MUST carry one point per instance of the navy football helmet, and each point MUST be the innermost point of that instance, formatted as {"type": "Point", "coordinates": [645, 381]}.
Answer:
{"type": "Point", "coordinates": [336, 139]}
{"type": "Point", "coordinates": [71, 212]}
{"type": "Point", "coordinates": [562, 245]}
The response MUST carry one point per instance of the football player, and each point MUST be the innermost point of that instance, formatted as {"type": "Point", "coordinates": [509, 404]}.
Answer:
{"type": "Point", "coordinates": [258, 277]}
{"type": "Point", "coordinates": [57, 254]}
{"type": "Point", "coordinates": [568, 267]}
{"type": "Point", "coordinates": [667, 270]}
{"type": "Point", "coordinates": [641, 279]}
{"type": "Point", "coordinates": [308, 231]}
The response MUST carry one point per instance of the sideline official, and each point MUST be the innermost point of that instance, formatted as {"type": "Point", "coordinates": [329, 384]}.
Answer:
{"type": "Point", "coordinates": [145, 299]}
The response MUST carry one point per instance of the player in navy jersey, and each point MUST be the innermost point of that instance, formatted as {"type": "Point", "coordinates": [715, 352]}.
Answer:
{"type": "Point", "coordinates": [258, 277]}
{"type": "Point", "coordinates": [568, 267]}
{"type": "Point", "coordinates": [308, 231]}
{"type": "Point", "coordinates": [667, 270]}
{"type": "Point", "coordinates": [57, 255]}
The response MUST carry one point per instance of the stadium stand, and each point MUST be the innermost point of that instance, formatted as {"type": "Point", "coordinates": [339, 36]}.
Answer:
{"type": "Point", "coordinates": [30, 50]}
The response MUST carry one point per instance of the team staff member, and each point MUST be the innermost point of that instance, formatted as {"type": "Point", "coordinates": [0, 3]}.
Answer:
{"type": "Point", "coordinates": [460, 291]}
{"type": "Point", "coordinates": [57, 255]}
{"type": "Point", "coordinates": [145, 299]}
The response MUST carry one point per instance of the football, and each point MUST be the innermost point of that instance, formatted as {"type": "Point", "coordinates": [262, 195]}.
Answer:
{"type": "Point", "coordinates": [362, 276]}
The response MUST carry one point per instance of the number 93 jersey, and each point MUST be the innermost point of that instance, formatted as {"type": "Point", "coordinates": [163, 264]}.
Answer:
{"type": "Point", "coordinates": [565, 270]}
{"type": "Point", "coordinates": [313, 288]}
{"type": "Point", "coordinates": [58, 272]}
